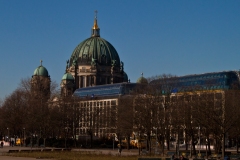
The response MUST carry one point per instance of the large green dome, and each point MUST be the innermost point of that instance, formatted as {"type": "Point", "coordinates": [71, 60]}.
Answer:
{"type": "Point", "coordinates": [95, 49]}
{"type": "Point", "coordinates": [41, 71]}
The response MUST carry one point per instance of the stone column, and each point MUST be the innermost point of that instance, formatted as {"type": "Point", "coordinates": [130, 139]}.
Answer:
{"type": "Point", "coordinates": [106, 80]}
{"type": "Point", "coordinates": [80, 82]}
{"type": "Point", "coordinates": [85, 81]}
{"type": "Point", "coordinates": [90, 80]}
{"type": "Point", "coordinates": [95, 80]}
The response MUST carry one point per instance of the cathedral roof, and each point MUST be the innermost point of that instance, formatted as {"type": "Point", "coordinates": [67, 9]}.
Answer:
{"type": "Point", "coordinates": [41, 71]}
{"type": "Point", "coordinates": [95, 50]}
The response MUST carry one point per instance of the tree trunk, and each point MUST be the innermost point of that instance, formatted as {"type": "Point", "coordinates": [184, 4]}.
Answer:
{"type": "Point", "coordinates": [223, 145]}
{"type": "Point", "coordinates": [128, 142]}
{"type": "Point", "coordinates": [237, 146]}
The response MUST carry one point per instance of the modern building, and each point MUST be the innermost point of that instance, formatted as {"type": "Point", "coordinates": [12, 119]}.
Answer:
{"type": "Point", "coordinates": [198, 82]}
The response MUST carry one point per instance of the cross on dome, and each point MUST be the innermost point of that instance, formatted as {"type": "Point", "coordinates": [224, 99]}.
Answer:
{"type": "Point", "coordinates": [96, 14]}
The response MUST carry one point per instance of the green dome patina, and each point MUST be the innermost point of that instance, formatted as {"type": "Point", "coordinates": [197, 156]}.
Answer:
{"type": "Point", "coordinates": [41, 71]}
{"type": "Point", "coordinates": [67, 76]}
{"type": "Point", "coordinates": [95, 51]}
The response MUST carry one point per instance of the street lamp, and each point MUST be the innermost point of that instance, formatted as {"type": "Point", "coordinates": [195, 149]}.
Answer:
{"type": "Point", "coordinates": [206, 148]}
{"type": "Point", "coordinates": [24, 136]}
{"type": "Point", "coordinates": [156, 142]}
{"type": "Point", "coordinates": [199, 139]}
{"type": "Point", "coordinates": [66, 134]}
{"type": "Point", "coordinates": [113, 140]}
{"type": "Point", "coordinates": [138, 144]}
{"type": "Point", "coordinates": [8, 134]}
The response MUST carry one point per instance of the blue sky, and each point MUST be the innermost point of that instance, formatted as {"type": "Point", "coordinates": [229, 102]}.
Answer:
{"type": "Point", "coordinates": [177, 37]}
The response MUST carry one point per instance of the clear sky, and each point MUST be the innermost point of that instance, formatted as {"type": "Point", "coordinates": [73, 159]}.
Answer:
{"type": "Point", "coordinates": [177, 37]}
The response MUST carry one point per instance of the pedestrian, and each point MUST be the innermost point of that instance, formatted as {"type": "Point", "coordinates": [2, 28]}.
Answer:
{"type": "Point", "coordinates": [173, 157]}
{"type": "Point", "coordinates": [12, 143]}
{"type": "Point", "coordinates": [182, 158]}
{"type": "Point", "coordinates": [2, 144]}
{"type": "Point", "coordinates": [119, 149]}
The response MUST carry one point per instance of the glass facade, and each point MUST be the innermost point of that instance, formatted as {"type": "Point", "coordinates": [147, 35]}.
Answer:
{"type": "Point", "coordinates": [105, 90]}
{"type": "Point", "coordinates": [208, 81]}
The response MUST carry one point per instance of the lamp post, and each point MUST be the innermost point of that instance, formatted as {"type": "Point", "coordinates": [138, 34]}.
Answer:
{"type": "Point", "coordinates": [199, 139]}
{"type": "Point", "coordinates": [31, 140]}
{"type": "Point", "coordinates": [114, 140]}
{"type": "Point", "coordinates": [138, 144]}
{"type": "Point", "coordinates": [8, 134]}
{"type": "Point", "coordinates": [156, 143]}
{"type": "Point", "coordinates": [66, 135]}
{"type": "Point", "coordinates": [206, 148]}
{"type": "Point", "coordinates": [24, 137]}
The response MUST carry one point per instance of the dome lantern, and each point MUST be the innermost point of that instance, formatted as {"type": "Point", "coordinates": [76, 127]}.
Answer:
{"type": "Point", "coordinates": [95, 29]}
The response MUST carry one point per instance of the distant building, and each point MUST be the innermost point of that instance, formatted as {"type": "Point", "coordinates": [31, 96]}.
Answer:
{"type": "Point", "coordinates": [95, 74]}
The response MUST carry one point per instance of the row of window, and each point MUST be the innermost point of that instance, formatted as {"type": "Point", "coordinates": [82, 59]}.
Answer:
{"type": "Point", "coordinates": [208, 76]}
{"type": "Point", "coordinates": [182, 89]}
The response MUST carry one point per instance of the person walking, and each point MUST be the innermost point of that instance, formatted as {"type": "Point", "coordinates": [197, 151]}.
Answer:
{"type": "Point", "coordinates": [12, 143]}
{"type": "Point", "coordinates": [182, 158]}
{"type": "Point", "coordinates": [119, 149]}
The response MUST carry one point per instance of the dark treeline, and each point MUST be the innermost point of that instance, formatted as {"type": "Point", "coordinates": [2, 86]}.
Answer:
{"type": "Point", "coordinates": [209, 118]}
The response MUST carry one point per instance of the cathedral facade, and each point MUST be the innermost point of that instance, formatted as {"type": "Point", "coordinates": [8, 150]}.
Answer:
{"type": "Point", "coordinates": [93, 62]}
{"type": "Point", "coordinates": [94, 69]}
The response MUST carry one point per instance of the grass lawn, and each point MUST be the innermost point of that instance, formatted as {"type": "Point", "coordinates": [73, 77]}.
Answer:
{"type": "Point", "coordinates": [71, 156]}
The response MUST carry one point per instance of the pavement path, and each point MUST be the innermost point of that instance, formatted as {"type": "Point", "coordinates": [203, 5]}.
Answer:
{"type": "Point", "coordinates": [114, 152]}
{"type": "Point", "coordinates": [5, 149]}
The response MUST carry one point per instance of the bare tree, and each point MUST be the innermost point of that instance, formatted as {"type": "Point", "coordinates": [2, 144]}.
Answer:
{"type": "Point", "coordinates": [12, 115]}
{"type": "Point", "coordinates": [146, 105]}
{"type": "Point", "coordinates": [217, 113]}
{"type": "Point", "coordinates": [125, 114]}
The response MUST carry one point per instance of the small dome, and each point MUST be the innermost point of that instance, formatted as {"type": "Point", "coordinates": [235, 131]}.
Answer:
{"type": "Point", "coordinates": [67, 76]}
{"type": "Point", "coordinates": [41, 71]}
{"type": "Point", "coordinates": [125, 77]}
{"type": "Point", "coordinates": [142, 80]}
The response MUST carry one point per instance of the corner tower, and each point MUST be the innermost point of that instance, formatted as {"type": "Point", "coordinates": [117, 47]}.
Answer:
{"type": "Point", "coordinates": [95, 61]}
{"type": "Point", "coordinates": [40, 83]}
